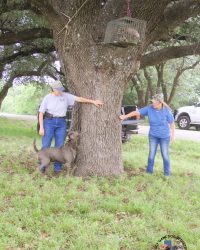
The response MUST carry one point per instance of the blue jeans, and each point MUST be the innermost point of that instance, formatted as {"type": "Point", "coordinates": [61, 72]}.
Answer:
{"type": "Point", "coordinates": [54, 127]}
{"type": "Point", "coordinates": [164, 147]}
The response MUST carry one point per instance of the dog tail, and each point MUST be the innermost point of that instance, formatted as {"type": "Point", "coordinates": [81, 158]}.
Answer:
{"type": "Point", "coordinates": [34, 146]}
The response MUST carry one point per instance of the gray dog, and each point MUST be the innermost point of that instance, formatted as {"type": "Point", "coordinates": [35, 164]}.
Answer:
{"type": "Point", "coordinates": [65, 154]}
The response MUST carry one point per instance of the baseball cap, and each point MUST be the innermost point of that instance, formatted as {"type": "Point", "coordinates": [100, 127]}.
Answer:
{"type": "Point", "coordinates": [158, 97]}
{"type": "Point", "coordinates": [57, 85]}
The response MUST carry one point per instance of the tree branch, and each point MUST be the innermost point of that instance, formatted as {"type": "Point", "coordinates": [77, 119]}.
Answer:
{"type": "Point", "coordinates": [179, 72]}
{"type": "Point", "coordinates": [28, 52]}
{"type": "Point", "coordinates": [57, 71]}
{"type": "Point", "coordinates": [165, 54]}
{"type": "Point", "coordinates": [149, 82]}
{"type": "Point", "coordinates": [51, 75]}
{"type": "Point", "coordinates": [175, 16]}
{"type": "Point", "coordinates": [23, 5]}
{"type": "Point", "coordinates": [181, 11]}
{"type": "Point", "coordinates": [161, 83]}
{"type": "Point", "coordinates": [136, 80]}
{"type": "Point", "coordinates": [25, 35]}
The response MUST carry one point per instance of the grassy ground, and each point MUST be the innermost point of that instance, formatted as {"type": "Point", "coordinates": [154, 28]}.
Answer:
{"type": "Point", "coordinates": [130, 212]}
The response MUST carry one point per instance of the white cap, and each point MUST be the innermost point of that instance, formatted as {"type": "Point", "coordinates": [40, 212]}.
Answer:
{"type": "Point", "coordinates": [57, 85]}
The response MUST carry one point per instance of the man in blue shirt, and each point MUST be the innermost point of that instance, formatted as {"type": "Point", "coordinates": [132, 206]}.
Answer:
{"type": "Point", "coordinates": [161, 131]}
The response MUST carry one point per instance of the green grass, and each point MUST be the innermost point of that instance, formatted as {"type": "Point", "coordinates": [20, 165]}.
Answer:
{"type": "Point", "coordinates": [11, 127]}
{"type": "Point", "coordinates": [132, 211]}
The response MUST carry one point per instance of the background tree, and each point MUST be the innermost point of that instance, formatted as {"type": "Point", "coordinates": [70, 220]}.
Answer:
{"type": "Point", "coordinates": [164, 77]}
{"type": "Point", "coordinates": [36, 65]}
{"type": "Point", "coordinates": [169, 71]}
{"type": "Point", "coordinates": [97, 71]}
{"type": "Point", "coordinates": [25, 98]}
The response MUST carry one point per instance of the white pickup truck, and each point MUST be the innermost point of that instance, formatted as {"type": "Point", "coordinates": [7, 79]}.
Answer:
{"type": "Point", "coordinates": [188, 116]}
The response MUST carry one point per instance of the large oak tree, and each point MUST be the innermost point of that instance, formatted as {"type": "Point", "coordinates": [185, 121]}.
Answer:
{"type": "Point", "coordinates": [97, 71]}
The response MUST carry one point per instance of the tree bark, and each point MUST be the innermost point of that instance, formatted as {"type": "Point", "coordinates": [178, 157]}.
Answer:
{"type": "Point", "coordinates": [100, 145]}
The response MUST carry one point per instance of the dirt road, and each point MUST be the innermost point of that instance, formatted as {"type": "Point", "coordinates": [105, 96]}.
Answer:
{"type": "Point", "coordinates": [19, 117]}
{"type": "Point", "coordinates": [190, 135]}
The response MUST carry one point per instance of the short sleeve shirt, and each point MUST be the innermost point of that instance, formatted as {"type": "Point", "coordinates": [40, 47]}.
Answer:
{"type": "Point", "coordinates": [159, 120]}
{"type": "Point", "coordinates": [57, 105]}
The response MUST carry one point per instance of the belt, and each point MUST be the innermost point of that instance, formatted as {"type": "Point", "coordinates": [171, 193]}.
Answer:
{"type": "Point", "coordinates": [50, 116]}
{"type": "Point", "coordinates": [59, 117]}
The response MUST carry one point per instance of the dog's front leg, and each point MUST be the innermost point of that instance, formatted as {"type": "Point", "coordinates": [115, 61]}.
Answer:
{"type": "Point", "coordinates": [73, 169]}
{"type": "Point", "coordinates": [40, 170]}
{"type": "Point", "coordinates": [67, 167]}
{"type": "Point", "coordinates": [47, 168]}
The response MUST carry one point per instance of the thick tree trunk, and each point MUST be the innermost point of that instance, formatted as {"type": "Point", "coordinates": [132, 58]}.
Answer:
{"type": "Point", "coordinates": [100, 144]}
{"type": "Point", "coordinates": [99, 152]}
